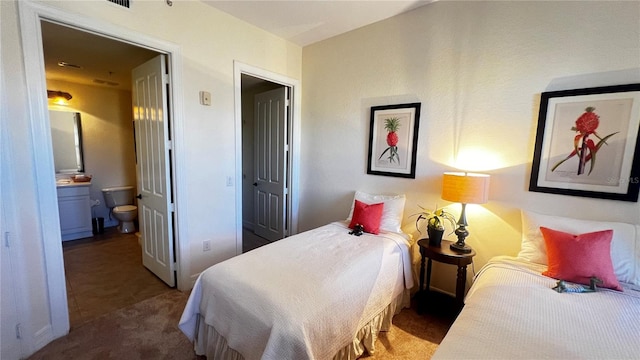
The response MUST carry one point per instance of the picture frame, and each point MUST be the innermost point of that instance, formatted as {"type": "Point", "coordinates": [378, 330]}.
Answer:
{"type": "Point", "coordinates": [393, 140]}
{"type": "Point", "coordinates": [587, 143]}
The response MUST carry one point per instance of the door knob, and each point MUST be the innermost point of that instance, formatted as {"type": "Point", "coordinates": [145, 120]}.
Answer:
{"type": "Point", "coordinates": [255, 184]}
{"type": "Point", "coordinates": [139, 196]}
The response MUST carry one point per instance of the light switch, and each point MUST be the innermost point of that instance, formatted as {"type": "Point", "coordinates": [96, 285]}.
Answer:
{"type": "Point", "coordinates": [205, 98]}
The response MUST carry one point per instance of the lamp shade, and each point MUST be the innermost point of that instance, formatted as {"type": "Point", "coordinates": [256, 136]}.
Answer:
{"type": "Point", "coordinates": [465, 188]}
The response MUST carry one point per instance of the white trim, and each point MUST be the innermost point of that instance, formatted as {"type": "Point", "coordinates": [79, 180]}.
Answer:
{"type": "Point", "coordinates": [240, 68]}
{"type": "Point", "coordinates": [178, 152]}
{"type": "Point", "coordinates": [30, 14]}
{"type": "Point", "coordinates": [45, 183]}
{"type": "Point", "coordinates": [13, 256]}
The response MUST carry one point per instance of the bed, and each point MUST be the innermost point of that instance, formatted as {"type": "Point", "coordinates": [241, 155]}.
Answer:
{"type": "Point", "coordinates": [511, 310]}
{"type": "Point", "coordinates": [321, 294]}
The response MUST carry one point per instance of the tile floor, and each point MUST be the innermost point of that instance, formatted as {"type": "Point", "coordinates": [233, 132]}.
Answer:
{"type": "Point", "coordinates": [105, 273]}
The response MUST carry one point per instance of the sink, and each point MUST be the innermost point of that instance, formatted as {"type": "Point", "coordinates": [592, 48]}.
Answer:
{"type": "Point", "coordinates": [70, 183]}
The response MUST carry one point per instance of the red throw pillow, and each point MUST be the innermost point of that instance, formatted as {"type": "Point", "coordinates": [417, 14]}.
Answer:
{"type": "Point", "coordinates": [368, 216]}
{"type": "Point", "coordinates": [576, 258]}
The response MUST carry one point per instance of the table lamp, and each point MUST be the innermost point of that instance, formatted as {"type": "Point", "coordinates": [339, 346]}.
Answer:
{"type": "Point", "coordinates": [465, 188]}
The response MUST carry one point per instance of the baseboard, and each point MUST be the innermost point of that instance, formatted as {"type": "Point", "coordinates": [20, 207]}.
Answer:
{"type": "Point", "coordinates": [192, 280]}
{"type": "Point", "coordinates": [43, 337]}
{"type": "Point", "coordinates": [442, 291]}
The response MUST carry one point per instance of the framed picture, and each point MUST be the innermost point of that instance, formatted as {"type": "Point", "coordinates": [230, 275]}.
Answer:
{"type": "Point", "coordinates": [587, 143]}
{"type": "Point", "coordinates": [393, 139]}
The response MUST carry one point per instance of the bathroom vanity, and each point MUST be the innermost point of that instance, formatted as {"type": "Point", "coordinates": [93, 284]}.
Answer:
{"type": "Point", "coordinates": [74, 207]}
{"type": "Point", "coordinates": [74, 204]}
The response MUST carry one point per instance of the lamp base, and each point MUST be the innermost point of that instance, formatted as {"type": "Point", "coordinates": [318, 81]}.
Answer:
{"type": "Point", "coordinates": [462, 248]}
{"type": "Point", "coordinates": [461, 233]}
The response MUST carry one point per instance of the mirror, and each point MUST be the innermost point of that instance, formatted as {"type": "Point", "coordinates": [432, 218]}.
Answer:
{"type": "Point", "coordinates": [66, 137]}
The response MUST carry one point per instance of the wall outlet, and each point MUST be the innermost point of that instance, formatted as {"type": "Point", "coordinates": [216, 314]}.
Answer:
{"type": "Point", "coordinates": [206, 245]}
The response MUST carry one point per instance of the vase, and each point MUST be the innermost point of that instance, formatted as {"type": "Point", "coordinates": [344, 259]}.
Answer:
{"type": "Point", "coordinates": [435, 235]}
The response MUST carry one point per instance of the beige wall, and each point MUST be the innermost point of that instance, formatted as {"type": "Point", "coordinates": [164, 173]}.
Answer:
{"type": "Point", "coordinates": [107, 134]}
{"type": "Point", "coordinates": [209, 42]}
{"type": "Point", "coordinates": [478, 69]}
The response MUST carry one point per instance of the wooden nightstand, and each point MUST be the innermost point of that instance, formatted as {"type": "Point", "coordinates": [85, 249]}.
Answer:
{"type": "Point", "coordinates": [445, 255]}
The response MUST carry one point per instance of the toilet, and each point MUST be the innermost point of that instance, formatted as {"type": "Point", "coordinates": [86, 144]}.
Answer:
{"type": "Point", "coordinates": [120, 202]}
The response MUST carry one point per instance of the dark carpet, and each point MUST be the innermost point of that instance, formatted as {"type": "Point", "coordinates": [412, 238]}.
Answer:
{"type": "Point", "coordinates": [148, 330]}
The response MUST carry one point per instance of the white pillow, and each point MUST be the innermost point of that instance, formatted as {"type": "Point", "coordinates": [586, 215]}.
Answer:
{"type": "Point", "coordinates": [623, 252]}
{"type": "Point", "coordinates": [392, 212]}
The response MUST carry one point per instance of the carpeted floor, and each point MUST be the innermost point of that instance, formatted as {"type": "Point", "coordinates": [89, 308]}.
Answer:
{"type": "Point", "coordinates": [413, 335]}
{"type": "Point", "coordinates": [148, 330]}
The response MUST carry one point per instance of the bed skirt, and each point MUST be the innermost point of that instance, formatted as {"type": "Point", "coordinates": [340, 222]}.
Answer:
{"type": "Point", "coordinates": [210, 343]}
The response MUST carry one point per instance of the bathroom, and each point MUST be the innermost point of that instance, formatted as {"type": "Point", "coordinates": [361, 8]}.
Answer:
{"type": "Point", "coordinates": [97, 76]}
{"type": "Point", "coordinates": [103, 271]}
{"type": "Point", "coordinates": [107, 139]}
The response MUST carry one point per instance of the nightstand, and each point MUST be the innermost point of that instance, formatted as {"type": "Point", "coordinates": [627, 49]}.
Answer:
{"type": "Point", "coordinates": [445, 255]}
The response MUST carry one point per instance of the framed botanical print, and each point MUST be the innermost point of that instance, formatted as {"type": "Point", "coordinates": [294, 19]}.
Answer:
{"type": "Point", "coordinates": [393, 139]}
{"type": "Point", "coordinates": [587, 143]}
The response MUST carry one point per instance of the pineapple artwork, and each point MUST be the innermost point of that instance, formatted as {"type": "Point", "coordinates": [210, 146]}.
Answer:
{"type": "Point", "coordinates": [393, 137]}
{"type": "Point", "coordinates": [583, 146]}
{"type": "Point", "coordinates": [391, 125]}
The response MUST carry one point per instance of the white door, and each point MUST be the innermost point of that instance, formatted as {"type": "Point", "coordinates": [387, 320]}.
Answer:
{"type": "Point", "coordinates": [271, 146]}
{"type": "Point", "coordinates": [151, 124]}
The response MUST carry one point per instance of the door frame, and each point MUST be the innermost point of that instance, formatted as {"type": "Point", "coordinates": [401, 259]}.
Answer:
{"type": "Point", "coordinates": [30, 15]}
{"type": "Point", "coordinates": [293, 170]}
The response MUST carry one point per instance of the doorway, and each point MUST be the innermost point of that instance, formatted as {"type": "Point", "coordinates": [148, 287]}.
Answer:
{"type": "Point", "coordinates": [292, 159]}
{"type": "Point", "coordinates": [257, 216]}
{"type": "Point", "coordinates": [293, 133]}
{"type": "Point", "coordinates": [129, 51]}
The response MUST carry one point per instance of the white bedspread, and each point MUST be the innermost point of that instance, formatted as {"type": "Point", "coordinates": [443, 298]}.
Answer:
{"type": "Point", "coordinates": [303, 297]}
{"type": "Point", "coordinates": [511, 312]}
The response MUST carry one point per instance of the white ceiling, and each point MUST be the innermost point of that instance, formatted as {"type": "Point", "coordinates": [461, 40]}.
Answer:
{"type": "Point", "coordinates": [106, 62]}
{"type": "Point", "coordinates": [305, 22]}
